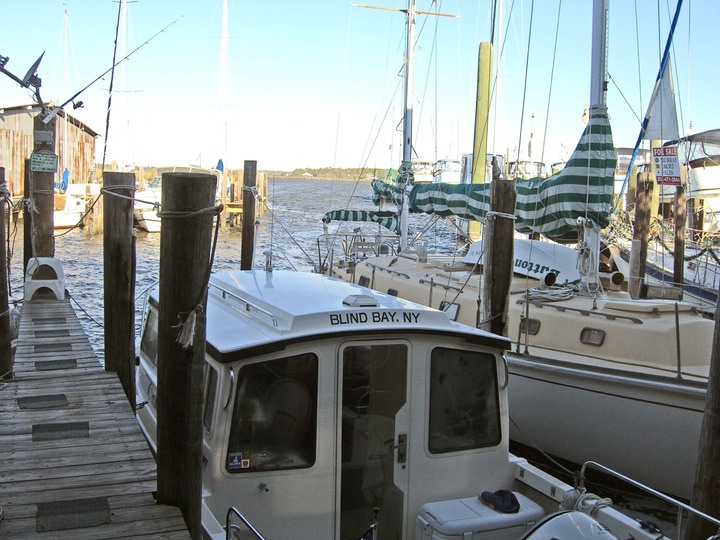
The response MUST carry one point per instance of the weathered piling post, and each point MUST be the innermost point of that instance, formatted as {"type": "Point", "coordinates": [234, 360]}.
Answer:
{"type": "Point", "coordinates": [118, 279]}
{"type": "Point", "coordinates": [247, 247]}
{"type": "Point", "coordinates": [185, 245]}
{"type": "Point", "coordinates": [706, 492]}
{"type": "Point", "coordinates": [6, 361]}
{"type": "Point", "coordinates": [27, 218]}
{"type": "Point", "coordinates": [43, 165]}
{"type": "Point", "coordinates": [641, 232]}
{"type": "Point", "coordinates": [680, 220]}
{"type": "Point", "coordinates": [498, 259]}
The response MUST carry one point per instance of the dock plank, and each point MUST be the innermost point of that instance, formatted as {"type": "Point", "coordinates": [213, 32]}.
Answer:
{"type": "Point", "coordinates": [69, 435]}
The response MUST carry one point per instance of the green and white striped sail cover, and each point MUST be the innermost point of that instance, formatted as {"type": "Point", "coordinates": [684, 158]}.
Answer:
{"type": "Point", "coordinates": [389, 220]}
{"type": "Point", "coordinates": [386, 192]}
{"type": "Point", "coordinates": [549, 206]}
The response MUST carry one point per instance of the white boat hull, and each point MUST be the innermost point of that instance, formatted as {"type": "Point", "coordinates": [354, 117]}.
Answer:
{"type": "Point", "coordinates": [659, 419]}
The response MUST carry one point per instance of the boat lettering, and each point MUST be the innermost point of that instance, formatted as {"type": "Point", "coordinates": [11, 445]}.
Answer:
{"type": "Point", "coordinates": [535, 268]}
{"type": "Point", "coordinates": [374, 317]}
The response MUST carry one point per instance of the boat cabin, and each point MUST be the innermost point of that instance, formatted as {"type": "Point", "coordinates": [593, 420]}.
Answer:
{"type": "Point", "coordinates": [329, 407]}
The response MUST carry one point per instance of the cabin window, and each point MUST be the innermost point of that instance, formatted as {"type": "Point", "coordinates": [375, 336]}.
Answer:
{"type": "Point", "coordinates": [451, 309]}
{"type": "Point", "coordinates": [211, 378]}
{"type": "Point", "coordinates": [392, 292]}
{"type": "Point", "coordinates": [149, 342]}
{"type": "Point", "coordinates": [363, 281]}
{"type": "Point", "coordinates": [274, 422]}
{"type": "Point", "coordinates": [592, 336]}
{"type": "Point", "coordinates": [531, 326]}
{"type": "Point", "coordinates": [464, 404]}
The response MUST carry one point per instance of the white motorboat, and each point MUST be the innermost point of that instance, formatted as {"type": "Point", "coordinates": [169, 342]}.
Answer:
{"type": "Point", "coordinates": [447, 171]}
{"type": "Point", "coordinates": [147, 205]}
{"type": "Point", "coordinates": [148, 201]}
{"type": "Point", "coordinates": [335, 411]}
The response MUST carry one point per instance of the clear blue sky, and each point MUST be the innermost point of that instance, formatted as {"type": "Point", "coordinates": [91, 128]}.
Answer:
{"type": "Point", "coordinates": [311, 84]}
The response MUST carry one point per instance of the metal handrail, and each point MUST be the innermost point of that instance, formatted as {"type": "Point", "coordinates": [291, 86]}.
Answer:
{"type": "Point", "coordinates": [228, 527]}
{"type": "Point", "coordinates": [249, 306]}
{"type": "Point", "coordinates": [643, 487]}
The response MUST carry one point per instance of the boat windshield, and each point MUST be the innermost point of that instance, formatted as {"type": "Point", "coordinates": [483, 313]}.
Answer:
{"type": "Point", "coordinates": [275, 415]}
{"type": "Point", "coordinates": [464, 407]}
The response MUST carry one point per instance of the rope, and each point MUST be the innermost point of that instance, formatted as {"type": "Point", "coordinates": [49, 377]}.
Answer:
{"type": "Point", "coordinates": [82, 218]}
{"type": "Point", "coordinates": [186, 334]}
{"type": "Point", "coordinates": [101, 325]}
{"type": "Point", "coordinates": [588, 503]}
{"type": "Point", "coordinates": [493, 214]}
{"type": "Point", "coordinates": [210, 210]}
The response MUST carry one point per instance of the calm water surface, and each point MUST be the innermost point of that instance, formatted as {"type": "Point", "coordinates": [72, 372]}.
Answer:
{"type": "Point", "coordinates": [290, 226]}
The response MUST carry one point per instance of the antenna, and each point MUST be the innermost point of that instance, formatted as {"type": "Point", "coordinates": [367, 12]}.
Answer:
{"type": "Point", "coordinates": [31, 73]}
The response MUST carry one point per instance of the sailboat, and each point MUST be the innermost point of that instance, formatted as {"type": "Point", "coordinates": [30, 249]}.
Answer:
{"type": "Point", "coordinates": [594, 374]}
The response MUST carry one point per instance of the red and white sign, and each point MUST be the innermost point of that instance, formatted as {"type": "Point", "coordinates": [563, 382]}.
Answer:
{"type": "Point", "coordinates": [667, 167]}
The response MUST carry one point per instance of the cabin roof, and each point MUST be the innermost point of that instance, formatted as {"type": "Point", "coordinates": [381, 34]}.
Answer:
{"type": "Point", "coordinates": [256, 310]}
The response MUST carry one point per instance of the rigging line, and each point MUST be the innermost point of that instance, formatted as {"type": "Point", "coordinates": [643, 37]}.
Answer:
{"type": "Point", "coordinates": [136, 49]}
{"type": "Point", "coordinates": [527, 66]}
{"type": "Point", "coordinates": [552, 72]}
{"type": "Point", "coordinates": [637, 47]}
{"type": "Point", "coordinates": [363, 166]}
{"type": "Point", "coordinates": [646, 120]}
{"type": "Point", "coordinates": [110, 90]}
{"type": "Point", "coordinates": [632, 110]}
{"type": "Point", "coordinates": [677, 75]}
{"type": "Point", "coordinates": [272, 226]}
{"type": "Point", "coordinates": [343, 80]}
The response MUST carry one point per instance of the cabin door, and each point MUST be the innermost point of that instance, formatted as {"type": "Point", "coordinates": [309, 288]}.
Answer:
{"type": "Point", "coordinates": [373, 385]}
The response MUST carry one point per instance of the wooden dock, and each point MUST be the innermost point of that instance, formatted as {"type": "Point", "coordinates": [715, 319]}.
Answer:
{"type": "Point", "coordinates": [73, 461]}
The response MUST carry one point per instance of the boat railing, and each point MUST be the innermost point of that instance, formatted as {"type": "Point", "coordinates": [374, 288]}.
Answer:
{"type": "Point", "coordinates": [230, 526]}
{"type": "Point", "coordinates": [354, 247]}
{"type": "Point", "coordinates": [249, 307]}
{"type": "Point", "coordinates": [638, 485]}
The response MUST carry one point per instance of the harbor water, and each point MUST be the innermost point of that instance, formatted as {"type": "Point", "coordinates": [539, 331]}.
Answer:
{"type": "Point", "coordinates": [289, 226]}
{"type": "Point", "coordinates": [289, 229]}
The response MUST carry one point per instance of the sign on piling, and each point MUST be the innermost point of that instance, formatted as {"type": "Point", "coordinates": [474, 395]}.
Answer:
{"type": "Point", "coordinates": [42, 190]}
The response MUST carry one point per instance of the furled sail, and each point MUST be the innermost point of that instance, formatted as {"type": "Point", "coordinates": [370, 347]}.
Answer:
{"type": "Point", "coordinates": [549, 206]}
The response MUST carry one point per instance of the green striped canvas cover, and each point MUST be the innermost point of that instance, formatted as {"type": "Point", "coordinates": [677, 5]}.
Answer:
{"type": "Point", "coordinates": [549, 206]}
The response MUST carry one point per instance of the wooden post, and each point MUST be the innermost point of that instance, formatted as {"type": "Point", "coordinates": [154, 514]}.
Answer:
{"type": "Point", "coordinates": [680, 220]}
{"type": "Point", "coordinates": [119, 305]}
{"type": "Point", "coordinates": [6, 361]}
{"type": "Point", "coordinates": [499, 248]}
{"type": "Point", "coordinates": [184, 270]}
{"type": "Point", "coordinates": [27, 218]}
{"type": "Point", "coordinates": [43, 190]}
{"type": "Point", "coordinates": [643, 211]}
{"type": "Point", "coordinates": [706, 492]}
{"type": "Point", "coordinates": [247, 246]}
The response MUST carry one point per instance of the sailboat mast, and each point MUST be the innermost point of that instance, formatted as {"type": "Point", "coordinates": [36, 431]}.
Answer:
{"type": "Point", "coordinates": [598, 91]}
{"type": "Point", "coordinates": [406, 174]}
{"type": "Point", "coordinates": [598, 75]}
